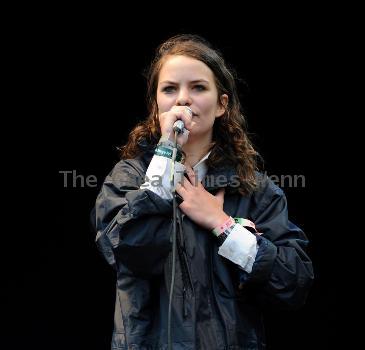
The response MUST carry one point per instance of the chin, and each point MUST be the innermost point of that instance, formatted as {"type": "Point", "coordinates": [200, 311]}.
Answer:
{"type": "Point", "coordinates": [200, 133]}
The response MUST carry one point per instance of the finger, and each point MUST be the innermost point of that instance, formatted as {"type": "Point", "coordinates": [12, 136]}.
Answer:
{"type": "Point", "coordinates": [189, 170]}
{"type": "Point", "coordinates": [186, 183]}
{"type": "Point", "coordinates": [180, 189]}
{"type": "Point", "coordinates": [192, 175]}
{"type": "Point", "coordinates": [185, 110]}
{"type": "Point", "coordinates": [183, 137]}
{"type": "Point", "coordinates": [181, 112]}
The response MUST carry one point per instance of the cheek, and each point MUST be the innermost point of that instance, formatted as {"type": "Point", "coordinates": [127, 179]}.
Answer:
{"type": "Point", "coordinates": [208, 105]}
{"type": "Point", "coordinates": [164, 103]}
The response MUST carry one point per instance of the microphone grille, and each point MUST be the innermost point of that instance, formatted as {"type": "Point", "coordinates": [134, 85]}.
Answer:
{"type": "Point", "coordinates": [179, 126]}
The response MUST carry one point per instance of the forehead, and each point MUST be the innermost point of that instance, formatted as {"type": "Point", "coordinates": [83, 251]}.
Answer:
{"type": "Point", "coordinates": [178, 68]}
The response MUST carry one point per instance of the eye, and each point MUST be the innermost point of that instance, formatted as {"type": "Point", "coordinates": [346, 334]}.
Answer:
{"type": "Point", "coordinates": [199, 87]}
{"type": "Point", "coordinates": [168, 89]}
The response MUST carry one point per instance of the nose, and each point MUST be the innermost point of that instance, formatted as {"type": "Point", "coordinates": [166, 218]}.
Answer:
{"type": "Point", "coordinates": [183, 98]}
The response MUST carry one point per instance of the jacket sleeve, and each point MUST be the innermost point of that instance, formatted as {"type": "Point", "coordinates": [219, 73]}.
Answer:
{"type": "Point", "coordinates": [282, 273]}
{"type": "Point", "coordinates": [132, 225]}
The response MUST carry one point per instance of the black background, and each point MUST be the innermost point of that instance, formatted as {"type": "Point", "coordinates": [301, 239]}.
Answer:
{"type": "Point", "coordinates": [86, 75]}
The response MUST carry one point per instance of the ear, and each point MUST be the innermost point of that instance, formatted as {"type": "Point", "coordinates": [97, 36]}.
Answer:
{"type": "Point", "coordinates": [222, 105]}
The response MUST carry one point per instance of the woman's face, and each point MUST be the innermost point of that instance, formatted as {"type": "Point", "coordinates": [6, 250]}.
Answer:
{"type": "Point", "coordinates": [186, 81]}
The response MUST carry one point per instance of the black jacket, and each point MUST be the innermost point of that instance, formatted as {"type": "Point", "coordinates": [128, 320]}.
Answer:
{"type": "Point", "coordinates": [216, 304]}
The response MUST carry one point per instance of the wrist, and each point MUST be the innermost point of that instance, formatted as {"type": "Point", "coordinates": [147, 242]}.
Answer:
{"type": "Point", "coordinates": [168, 142]}
{"type": "Point", "coordinates": [166, 137]}
{"type": "Point", "coordinates": [218, 221]}
{"type": "Point", "coordinates": [222, 231]}
{"type": "Point", "coordinates": [165, 150]}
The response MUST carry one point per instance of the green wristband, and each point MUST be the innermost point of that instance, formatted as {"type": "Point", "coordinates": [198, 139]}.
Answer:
{"type": "Point", "coordinates": [167, 152]}
{"type": "Point", "coordinates": [246, 223]}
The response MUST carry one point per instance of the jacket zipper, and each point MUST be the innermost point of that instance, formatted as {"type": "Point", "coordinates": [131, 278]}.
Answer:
{"type": "Point", "coordinates": [185, 307]}
{"type": "Point", "coordinates": [184, 257]}
{"type": "Point", "coordinates": [186, 276]}
{"type": "Point", "coordinates": [185, 279]}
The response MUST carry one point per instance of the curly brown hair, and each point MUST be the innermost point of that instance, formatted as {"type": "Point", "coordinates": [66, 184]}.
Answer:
{"type": "Point", "coordinates": [230, 144]}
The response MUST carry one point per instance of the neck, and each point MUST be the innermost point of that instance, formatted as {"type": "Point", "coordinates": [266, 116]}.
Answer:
{"type": "Point", "coordinates": [195, 149]}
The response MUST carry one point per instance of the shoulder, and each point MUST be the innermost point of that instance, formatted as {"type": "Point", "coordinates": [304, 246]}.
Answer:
{"type": "Point", "coordinates": [133, 166]}
{"type": "Point", "coordinates": [127, 173]}
{"type": "Point", "coordinates": [266, 186]}
{"type": "Point", "coordinates": [266, 191]}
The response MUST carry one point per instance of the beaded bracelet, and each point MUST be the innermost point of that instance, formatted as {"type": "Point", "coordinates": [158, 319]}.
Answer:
{"type": "Point", "coordinates": [217, 231]}
{"type": "Point", "coordinates": [223, 231]}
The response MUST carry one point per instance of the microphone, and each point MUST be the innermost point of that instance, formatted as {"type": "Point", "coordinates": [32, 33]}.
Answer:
{"type": "Point", "coordinates": [179, 124]}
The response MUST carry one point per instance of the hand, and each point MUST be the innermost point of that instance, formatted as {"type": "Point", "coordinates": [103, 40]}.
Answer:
{"type": "Point", "coordinates": [167, 120]}
{"type": "Point", "coordinates": [199, 205]}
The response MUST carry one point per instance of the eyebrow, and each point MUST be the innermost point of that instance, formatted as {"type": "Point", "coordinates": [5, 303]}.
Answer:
{"type": "Point", "coordinates": [191, 82]}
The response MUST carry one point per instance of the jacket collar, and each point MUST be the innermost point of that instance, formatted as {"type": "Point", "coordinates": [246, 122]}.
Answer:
{"type": "Point", "coordinates": [219, 177]}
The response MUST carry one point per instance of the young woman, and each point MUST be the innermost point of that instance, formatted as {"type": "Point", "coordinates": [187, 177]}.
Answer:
{"type": "Point", "coordinates": [237, 252]}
